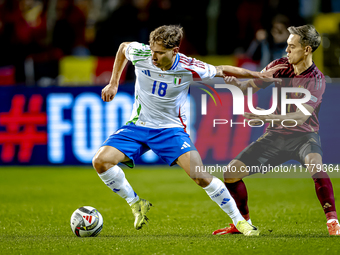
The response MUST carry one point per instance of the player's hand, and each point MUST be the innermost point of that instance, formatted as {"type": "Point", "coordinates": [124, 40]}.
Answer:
{"type": "Point", "coordinates": [267, 75]}
{"type": "Point", "coordinates": [232, 80]}
{"type": "Point", "coordinates": [109, 92]}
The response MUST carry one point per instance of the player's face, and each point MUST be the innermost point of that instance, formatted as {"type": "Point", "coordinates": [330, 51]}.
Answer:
{"type": "Point", "coordinates": [295, 51]}
{"type": "Point", "coordinates": [163, 57]}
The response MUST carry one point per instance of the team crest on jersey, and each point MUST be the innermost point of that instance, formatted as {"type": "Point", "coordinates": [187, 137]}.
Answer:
{"type": "Point", "coordinates": [177, 79]}
{"type": "Point", "coordinates": [299, 94]}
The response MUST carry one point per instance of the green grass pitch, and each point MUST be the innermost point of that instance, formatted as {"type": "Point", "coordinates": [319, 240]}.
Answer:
{"type": "Point", "coordinates": [36, 204]}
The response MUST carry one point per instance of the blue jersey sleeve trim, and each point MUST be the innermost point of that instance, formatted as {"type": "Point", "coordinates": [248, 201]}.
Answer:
{"type": "Point", "coordinates": [175, 63]}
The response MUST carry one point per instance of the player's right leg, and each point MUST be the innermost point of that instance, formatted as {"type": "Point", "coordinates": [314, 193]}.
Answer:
{"type": "Point", "coordinates": [107, 157]}
{"type": "Point", "coordinates": [105, 163]}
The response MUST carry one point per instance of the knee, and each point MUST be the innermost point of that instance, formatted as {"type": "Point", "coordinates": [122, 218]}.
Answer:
{"type": "Point", "coordinates": [235, 171]}
{"type": "Point", "coordinates": [314, 164]}
{"type": "Point", "coordinates": [313, 161]}
{"type": "Point", "coordinates": [232, 180]}
{"type": "Point", "coordinates": [203, 182]}
{"type": "Point", "coordinates": [101, 165]}
{"type": "Point", "coordinates": [313, 158]}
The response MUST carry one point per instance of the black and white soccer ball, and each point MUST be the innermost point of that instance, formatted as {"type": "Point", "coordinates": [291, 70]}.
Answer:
{"type": "Point", "coordinates": [86, 221]}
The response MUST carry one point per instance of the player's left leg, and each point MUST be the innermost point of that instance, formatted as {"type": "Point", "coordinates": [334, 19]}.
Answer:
{"type": "Point", "coordinates": [309, 152]}
{"type": "Point", "coordinates": [324, 191]}
{"type": "Point", "coordinates": [192, 164]}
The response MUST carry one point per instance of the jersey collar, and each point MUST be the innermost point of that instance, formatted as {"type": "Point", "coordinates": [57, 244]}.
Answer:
{"type": "Point", "coordinates": [174, 65]}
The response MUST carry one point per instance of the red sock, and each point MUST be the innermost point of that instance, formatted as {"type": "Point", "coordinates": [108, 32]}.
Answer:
{"type": "Point", "coordinates": [238, 191]}
{"type": "Point", "coordinates": [324, 191]}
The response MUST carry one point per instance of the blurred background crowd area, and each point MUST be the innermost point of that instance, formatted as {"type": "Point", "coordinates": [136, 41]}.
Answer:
{"type": "Point", "coordinates": [73, 42]}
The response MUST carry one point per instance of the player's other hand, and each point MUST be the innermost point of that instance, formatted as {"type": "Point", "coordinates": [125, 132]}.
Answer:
{"type": "Point", "coordinates": [232, 80]}
{"type": "Point", "coordinates": [109, 92]}
{"type": "Point", "coordinates": [267, 75]}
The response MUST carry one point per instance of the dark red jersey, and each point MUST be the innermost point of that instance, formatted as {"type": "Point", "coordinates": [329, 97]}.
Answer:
{"type": "Point", "coordinates": [311, 79]}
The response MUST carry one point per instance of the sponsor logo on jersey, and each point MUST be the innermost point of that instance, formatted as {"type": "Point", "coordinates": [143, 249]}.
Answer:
{"type": "Point", "coordinates": [146, 72]}
{"type": "Point", "coordinates": [299, 94]}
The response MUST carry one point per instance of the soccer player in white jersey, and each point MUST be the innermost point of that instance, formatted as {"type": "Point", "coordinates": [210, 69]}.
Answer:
{"type": "Point", "coordinates": [163, 76]}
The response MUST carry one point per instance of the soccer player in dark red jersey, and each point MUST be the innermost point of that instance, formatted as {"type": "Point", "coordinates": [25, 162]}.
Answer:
{"type": "Point", "coordinates": [281, 143]}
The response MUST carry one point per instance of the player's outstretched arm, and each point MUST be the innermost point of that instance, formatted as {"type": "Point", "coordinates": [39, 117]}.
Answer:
{"type": "Point", "coordinates": [110, 90]}
{"type": "Point", "coordinates": [242, 85]}
{"type": "Point", "coordinates": [238, 72]}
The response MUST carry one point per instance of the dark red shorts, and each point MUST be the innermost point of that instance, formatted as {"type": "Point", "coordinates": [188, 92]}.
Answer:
{"type": "Point", "coordinates": [273, 149]}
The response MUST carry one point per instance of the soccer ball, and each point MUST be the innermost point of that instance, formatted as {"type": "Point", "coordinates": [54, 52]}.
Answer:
{"type": "Point", "coordinates": [86, 221]}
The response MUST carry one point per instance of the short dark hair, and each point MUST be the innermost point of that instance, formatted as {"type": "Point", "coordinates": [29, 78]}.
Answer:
{"type": "Point", "coordinates": [170, 36]}
{"type": "Point", "coordinates": [308, 35]}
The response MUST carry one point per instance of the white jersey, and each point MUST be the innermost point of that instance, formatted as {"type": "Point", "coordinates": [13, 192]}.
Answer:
{"type": "Point", "coordinates": [160, 96]}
